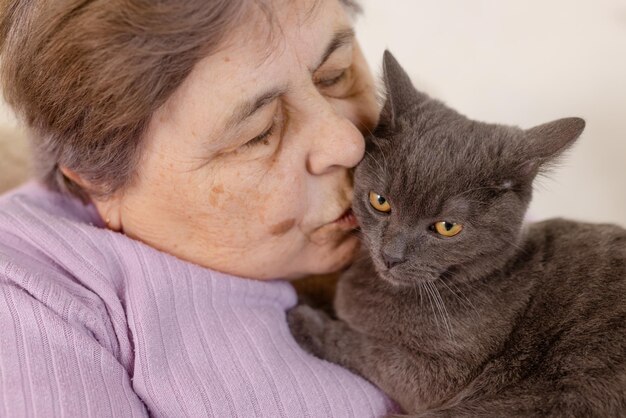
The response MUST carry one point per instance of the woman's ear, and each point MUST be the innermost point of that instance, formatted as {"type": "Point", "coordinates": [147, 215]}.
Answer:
{"type": "Point", "coordinates": [109, 209]}
{"type": "Point", "coordinates": [110, 212]}
{"type": "Point", "coordinates": [72, 175]}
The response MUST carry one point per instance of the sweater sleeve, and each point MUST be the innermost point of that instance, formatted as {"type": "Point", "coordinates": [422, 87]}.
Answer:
{"type": "Point", "coordinates": [52, 365]}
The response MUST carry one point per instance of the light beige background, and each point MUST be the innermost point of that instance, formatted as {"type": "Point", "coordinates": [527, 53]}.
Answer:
{"type": "Point", "coordinates": [523, 63]}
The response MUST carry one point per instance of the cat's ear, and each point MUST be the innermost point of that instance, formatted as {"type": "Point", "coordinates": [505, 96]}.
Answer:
{"type": "Point", "coordinates": [546, 142]}
{"type": "Point", "coordinates": [399, 89]}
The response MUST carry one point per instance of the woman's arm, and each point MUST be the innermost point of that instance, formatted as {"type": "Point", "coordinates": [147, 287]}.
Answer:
{"type": "Point", "coordinates": [51, 365]}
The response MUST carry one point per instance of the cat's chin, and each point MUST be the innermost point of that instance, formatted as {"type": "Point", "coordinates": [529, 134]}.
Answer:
{"type": "Point", "coordinates": [407, 280]}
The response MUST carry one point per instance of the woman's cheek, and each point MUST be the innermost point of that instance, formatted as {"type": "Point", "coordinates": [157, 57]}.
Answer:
{"type": "Point", "coordinates": [276, 215]}
{"type": "Point", "coordinates": [266, 197]}
{"type": "Point", "coordinates": [362, 105]}
{"type": "Point", "coordinates": [248, 208]}
{"type": "Point", "coordinates": [217, 196]}
{"type": "Point", "coordinates": [283, 205]}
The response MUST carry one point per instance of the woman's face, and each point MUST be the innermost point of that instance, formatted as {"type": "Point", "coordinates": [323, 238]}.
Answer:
{"type": "Point", "coordinates": [247, 168]}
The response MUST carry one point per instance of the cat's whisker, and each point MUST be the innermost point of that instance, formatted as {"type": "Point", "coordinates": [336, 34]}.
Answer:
{"type": "Point", "coordinates": [421, 296]}
{"type": "Point", "coordinates": [417, 288]}
{"type": "Point", "coordinates": [476, 293]}
{"type": "Point", "coordinates": [381, 170]}
{"type": "Point", "coordinates": [428, 293]}
{"type": "Point", "coordinates": [463, 299]}
{"type": "Point", "coordinates": [513, 244]}
{"type": "Point", "coordinates": [414, 288]}
{"type": "Point", "coordinates": [376, 173]}
{"type": "Point", "coordinates": [435, 304]}
{"type": "Point", "coordinates": [448, 288]}
{"type": "Point", "coordinates": [363, 125]}
{"type": "Point", "coordinates": [460, 296]}
{"type": "Point", "coordinates": [382, 152]}
{"type": "Point", "coordinates": [442, 309]}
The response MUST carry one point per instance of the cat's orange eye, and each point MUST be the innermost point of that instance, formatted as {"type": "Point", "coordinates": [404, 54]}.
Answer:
{"type": "Point", "coordinates": [379, 203]}
{"type": "Point", "coordinates": [447, 229]}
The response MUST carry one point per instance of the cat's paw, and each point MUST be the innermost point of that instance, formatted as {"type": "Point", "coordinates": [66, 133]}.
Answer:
{"type": "Point", "coordinates": [307, 327]}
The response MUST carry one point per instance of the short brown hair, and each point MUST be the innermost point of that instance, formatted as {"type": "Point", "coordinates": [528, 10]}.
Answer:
{"type": "Point", "coordinates": [86, 76]}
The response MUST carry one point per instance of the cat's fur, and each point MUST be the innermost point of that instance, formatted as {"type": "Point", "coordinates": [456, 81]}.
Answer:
{"type": "Point", "coordinates": [498, 321]}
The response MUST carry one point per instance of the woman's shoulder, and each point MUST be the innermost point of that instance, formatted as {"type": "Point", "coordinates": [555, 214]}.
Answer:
{"type": "Point", "coordinates": [34, 197]}
{"type": "Point", "coordinates": [49, 260]}
{"type": "Point", "coordinates": [36, 295]}
{"type": "Point", "coordinates": [60, 327]}
{"type": "Point", "coordinates": [44, 233]}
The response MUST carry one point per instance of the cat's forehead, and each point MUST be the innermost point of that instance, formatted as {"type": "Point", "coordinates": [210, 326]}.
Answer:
{"type": "Point", "coordinates": [431, 166]}
{"type": "Point", "coordinates": [454, 147]}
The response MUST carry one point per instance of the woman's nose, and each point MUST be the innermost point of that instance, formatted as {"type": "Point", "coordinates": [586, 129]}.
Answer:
{"type": "Point", "coordinates": [335, 142]}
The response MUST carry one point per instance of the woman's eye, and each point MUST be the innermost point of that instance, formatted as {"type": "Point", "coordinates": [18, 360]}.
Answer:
{"type": "Point", "coordinates": [329, 82]}
{"type": "Point", "coordinates": [261, 139]}
{"type": "Point", "coordinates": [446, 229]}
{"type": "Point", "coordinates": [336, 85]}
{"type": "Point", "coordinates": [379, 203]}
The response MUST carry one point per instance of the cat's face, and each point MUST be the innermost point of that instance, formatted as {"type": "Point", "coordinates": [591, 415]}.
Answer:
{"type": "Point", "coordinates": [428, 209]}
{"type": "Point", "coordinates": [438, 194]}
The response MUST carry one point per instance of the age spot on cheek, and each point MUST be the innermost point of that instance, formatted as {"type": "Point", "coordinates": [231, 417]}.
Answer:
{"type": "Point", "coordinates": [282, 227]}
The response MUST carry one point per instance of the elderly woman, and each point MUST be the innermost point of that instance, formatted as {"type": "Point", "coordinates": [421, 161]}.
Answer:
{"type": "Point", "coordinates": [193, 156]}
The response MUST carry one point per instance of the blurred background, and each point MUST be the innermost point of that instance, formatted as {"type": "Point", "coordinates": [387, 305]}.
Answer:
{"type": "Point", "coordinates": [515, 62]}
{"type": "Point", "coordinates": [523, 63]}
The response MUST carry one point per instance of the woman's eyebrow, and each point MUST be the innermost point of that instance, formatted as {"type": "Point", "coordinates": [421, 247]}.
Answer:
{"type": "Point", "coordinates": [342, 37]}
{"type": "Point", "coordinates": [243, 111]}
{"type": "Point", "coordinates": [250, 107]}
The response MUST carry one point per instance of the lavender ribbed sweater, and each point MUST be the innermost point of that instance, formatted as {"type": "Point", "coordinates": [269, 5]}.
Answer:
{"type": "Point", "coordinates": [93, 323]}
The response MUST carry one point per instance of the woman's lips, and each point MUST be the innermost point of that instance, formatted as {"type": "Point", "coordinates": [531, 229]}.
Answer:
{"type": "Point", "coordinates": [335, 231]}
{"type": "Point", "coordinates": [347, 220]}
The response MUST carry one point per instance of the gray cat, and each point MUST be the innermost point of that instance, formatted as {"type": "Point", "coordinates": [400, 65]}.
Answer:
{"type": "Point", "coordinates": [455, 309]}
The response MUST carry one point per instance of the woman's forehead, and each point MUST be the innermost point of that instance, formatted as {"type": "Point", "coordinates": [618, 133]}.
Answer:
{"type": "Point", "coordinates": [261, 56]}
{"type": "Point", "coordinates": [279, 29]}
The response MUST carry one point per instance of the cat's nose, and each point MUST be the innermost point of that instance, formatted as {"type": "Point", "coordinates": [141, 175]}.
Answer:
{"type": "Point", "coordinates": [392, 260]}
